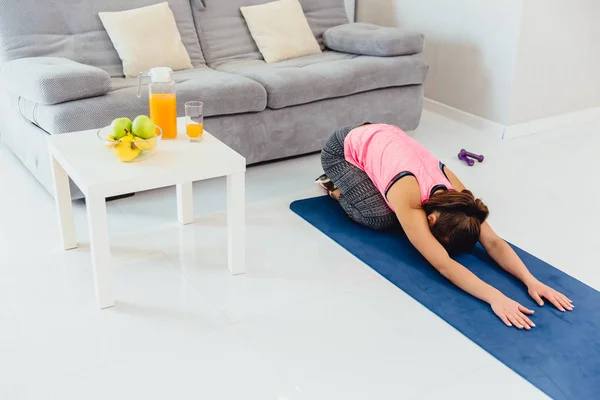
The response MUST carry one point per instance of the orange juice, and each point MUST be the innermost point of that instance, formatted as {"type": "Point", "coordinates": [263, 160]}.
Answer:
{"type": "Point", "coordinates": [163, 112]}
{"type": "Point", "coordinates": [194, 131]}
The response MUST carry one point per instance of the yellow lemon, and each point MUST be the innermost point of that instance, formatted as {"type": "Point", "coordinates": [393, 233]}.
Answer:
{"type": "Point", "coordinates": [126, 150]}
{"type": "Point", "coordinates": [111, 143]}
{"type": "Point", "coordinates": [146, 145]}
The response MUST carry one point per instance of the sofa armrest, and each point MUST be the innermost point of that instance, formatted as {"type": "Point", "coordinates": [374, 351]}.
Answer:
{"type": "Point", "coordinates": [373, 40]}
{"type": "Point", "coordinates": [52, 80]}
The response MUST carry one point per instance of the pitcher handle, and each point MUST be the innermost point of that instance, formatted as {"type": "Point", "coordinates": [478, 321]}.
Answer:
{"type": "Point", "coordinates": [141, 75]}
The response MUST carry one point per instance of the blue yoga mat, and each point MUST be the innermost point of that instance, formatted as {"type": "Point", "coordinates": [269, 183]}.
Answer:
{"type": "Point", "coordinates": [561, 356]}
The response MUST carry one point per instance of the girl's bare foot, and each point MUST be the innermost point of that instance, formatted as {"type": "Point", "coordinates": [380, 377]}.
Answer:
{"type": "Point", "coordinates": [327, 185]}
{"type": "Point", "coordinates": [336, 194]}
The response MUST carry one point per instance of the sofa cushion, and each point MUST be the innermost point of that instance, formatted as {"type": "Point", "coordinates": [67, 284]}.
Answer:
{"type": "Point", "coordinates": [326, 56]}
{"type": "Point", "coordinates": [225, 37]}
{"type": "Point", "coordinates": [280, 30]}
{"type": "Point", "coordinates": [52, 80]}
{"type": "Point", "coordinates": [72, 29]}
{"type": "Point", "coordinates": [373, 40]}
{"type": "Point", "coordinates": [222, 94]}
{"type": "Point", "coordinates": [328, 75]}
{"type": "Point", "coordinates": [146, 38]}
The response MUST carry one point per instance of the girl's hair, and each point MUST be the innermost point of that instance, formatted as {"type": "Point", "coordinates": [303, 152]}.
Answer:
{"type": "Point", "coordinates": [459, 222]}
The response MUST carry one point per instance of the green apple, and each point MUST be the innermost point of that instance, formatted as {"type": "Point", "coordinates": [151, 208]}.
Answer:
{"type": "Point", "coordinates": [120, 127]}
{"type": "Point", "coordinates": [143, 127]}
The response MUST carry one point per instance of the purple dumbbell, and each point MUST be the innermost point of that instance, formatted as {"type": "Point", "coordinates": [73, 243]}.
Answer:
{"type": "Point", "coordinates": [471, 155]}
{"type": "Point", "coordinates": [466, 159]}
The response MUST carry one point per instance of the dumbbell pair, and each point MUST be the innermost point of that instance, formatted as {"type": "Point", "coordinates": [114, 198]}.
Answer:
{"type": "Point", "coordinates": [467, 157]}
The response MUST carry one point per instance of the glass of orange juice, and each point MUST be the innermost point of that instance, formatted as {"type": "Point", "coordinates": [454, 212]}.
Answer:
{"type": "Point", "coordinates": [194, 120]}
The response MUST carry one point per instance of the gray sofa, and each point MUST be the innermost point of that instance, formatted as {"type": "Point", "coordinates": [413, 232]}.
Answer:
{"type": "Point", "coordinates": [60, 73]}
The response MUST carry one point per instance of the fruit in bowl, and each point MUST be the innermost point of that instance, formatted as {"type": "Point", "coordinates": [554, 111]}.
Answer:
{"type": "Point", "coordinates": [143, 127]}
{"type": "Point", "coordinates": [120, 127]}
{"type": "Point", "coordinates": [126, 150]}
{"type": "Point", "coordinates": [131, 141]}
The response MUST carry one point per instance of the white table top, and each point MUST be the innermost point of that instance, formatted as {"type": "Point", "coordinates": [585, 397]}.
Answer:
{"type": "Point", "coordinates": [94, 168]}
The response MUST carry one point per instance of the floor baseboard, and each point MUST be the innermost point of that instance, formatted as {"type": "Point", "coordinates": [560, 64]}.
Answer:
{"type": "Point", "coordinates": [464, 117]}
{"type": "Point", "coordinates": [550, 123]}
{"type": "Point", "coordinates": [517, 130]}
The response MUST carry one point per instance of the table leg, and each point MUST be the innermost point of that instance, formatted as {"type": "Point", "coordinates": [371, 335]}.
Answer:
{"type": "Point", "coordinates": [101, 260]}
{"type": "Point", "coordinates": [236, 222]}
{"type": "Point", "coordinates": [64, 206]}
{"type": "Point", "coordinates": [185, 203]}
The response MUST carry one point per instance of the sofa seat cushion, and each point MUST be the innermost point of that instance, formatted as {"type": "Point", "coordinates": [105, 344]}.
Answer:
{"type": "Point", "coordinates": [222, 94]}
{"type": "Point", "coordinates": [328, 75]}
{"type": "Point", "coordinates": [299, 62]}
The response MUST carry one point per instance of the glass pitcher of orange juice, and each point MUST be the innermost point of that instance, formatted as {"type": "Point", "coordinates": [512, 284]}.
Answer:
{"type": "Point", "coordinates": [162, 99]}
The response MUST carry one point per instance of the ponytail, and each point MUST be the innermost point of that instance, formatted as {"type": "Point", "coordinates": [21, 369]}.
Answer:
{"type": "Point", "coordinates": [457, 202]}
{"type": "Point", "coordinates": [459, 221]}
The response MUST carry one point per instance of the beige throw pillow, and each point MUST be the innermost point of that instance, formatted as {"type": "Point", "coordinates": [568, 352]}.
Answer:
{"type": "Point", "coordinates": [280, 30]}
{"type": "Point", "coordinates": [146, 37]}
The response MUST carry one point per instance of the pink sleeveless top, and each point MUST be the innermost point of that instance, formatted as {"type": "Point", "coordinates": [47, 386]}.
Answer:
{"type": "Point", "coordinates": [387, 154]}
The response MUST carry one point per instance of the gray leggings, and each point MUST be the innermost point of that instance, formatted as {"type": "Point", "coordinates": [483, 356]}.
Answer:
{"type": "Point", "coordinates": [360, 199]}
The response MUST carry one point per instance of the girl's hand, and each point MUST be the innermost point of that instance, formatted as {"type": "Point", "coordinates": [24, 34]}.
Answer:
{"type": "Point", "coordinates": [538, 290]}
{"type": "Point", "coordinates": [512, 313]}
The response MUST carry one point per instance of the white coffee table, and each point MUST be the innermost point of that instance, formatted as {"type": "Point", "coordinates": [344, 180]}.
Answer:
{"type": "Point", "coordinates": [99, 174]}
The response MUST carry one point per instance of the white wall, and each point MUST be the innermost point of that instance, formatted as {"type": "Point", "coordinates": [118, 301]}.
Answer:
{"type": "Point", "coordinates": [509, 61]}
{"type": "Point", "coordinates": [471, 46]}
{"type": "Point", "coordinates": [558, 69]}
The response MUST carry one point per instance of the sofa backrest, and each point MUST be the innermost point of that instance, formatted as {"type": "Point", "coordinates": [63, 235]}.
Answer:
{"type": "Point", "coordinates": [222, 30]}
{"type": "Point", "coordinates": [73, 30]}
{"type": "Point", "coordinates": [224, 35]}
{"type": "Point", "coordinates": [324, 14]}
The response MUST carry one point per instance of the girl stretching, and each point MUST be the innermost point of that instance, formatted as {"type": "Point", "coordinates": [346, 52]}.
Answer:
{"type": "Point", "coordinates": [382, 177]}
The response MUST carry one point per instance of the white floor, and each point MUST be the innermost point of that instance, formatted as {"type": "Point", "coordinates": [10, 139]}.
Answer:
{"type": "Point", "coordinates": [307, 321]}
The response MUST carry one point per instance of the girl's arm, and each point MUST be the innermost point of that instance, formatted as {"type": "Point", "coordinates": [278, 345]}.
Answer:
{"type": "Point", "coordinates": [415, 225]}
{"type": "Point", "coordinates": [505, 256]}
{"type": "Point", "coordinates": [496, 247]}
